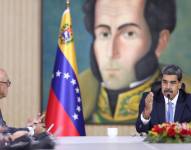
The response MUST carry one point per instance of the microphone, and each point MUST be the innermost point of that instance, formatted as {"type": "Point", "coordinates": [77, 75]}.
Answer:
{"type": "Point", "coordinates": [168, 96]}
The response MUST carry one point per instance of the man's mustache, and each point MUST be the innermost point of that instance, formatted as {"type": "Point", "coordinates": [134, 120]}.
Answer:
{"type": "Point", "coordinates": [168, 91]}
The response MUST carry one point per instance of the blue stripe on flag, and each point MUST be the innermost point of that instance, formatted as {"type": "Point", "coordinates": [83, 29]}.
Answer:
{"type": "Point", "coordinates": [67, 90]}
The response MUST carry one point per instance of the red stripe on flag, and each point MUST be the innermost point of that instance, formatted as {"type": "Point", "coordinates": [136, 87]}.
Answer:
{"type": "Point", "coordinates": [63, 126]}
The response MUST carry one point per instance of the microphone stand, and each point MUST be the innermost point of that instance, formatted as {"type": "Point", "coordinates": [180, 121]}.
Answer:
{"type": "Point", "coordinates": [168, 96]}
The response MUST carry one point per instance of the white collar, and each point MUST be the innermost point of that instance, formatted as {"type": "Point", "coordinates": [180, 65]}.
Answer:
{"type": "Point", "coordinates": [131, 85]}
{"type": "Point", "coordinates": [136, 83]}
{"type": "Point", "coordinates": [174, 100]}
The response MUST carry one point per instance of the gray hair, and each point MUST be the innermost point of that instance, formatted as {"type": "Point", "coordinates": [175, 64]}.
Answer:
{"type": "Point", "coordinates": [172, 70]}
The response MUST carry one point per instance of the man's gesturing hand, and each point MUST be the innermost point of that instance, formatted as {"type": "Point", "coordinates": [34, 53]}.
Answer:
{"type": "Point", "coordinates": [148, 105]}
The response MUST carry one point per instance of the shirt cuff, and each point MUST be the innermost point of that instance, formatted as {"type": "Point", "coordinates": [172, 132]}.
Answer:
{"type": "Point", "coordinates": [145, 121]}
{"type": "Point", "coordinates": [31, 131]}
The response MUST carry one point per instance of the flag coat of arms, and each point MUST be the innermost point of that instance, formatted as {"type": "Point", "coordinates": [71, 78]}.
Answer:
{"type": "Point", "coordinates": [64, 111]}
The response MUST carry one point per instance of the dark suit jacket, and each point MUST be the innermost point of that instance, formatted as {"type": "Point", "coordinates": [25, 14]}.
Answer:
{"type": "Point", "coordinates": [9, 129]}
{"type": "Point", "coordinates": [182, 110]}
{"type": "Point", "coordinates": [2, 122]}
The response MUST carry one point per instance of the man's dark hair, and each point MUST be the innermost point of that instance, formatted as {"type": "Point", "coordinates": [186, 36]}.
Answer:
{"type": "Point", "coordinates": [172, 70]}
{"type": "Point", "coordinates": [159, 15]}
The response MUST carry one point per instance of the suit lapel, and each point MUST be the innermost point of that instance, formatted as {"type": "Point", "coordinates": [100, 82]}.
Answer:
{"type": "Point", "coordinates": [161, 109]}
{"type": "Point", "coordinates": [1, 119]}
{"type": "Point", "coordinates": [179, 107]}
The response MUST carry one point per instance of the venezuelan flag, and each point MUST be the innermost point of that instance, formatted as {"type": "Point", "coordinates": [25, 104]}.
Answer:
{"type": "Point", "coordinates": [64, 110]}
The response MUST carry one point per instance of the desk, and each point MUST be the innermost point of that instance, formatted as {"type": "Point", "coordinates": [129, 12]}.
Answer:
{"type": "Point", "coordinates": [113, 143]}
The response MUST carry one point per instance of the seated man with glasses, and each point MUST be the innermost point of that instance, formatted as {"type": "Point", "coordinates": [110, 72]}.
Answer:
{"type": "Point", "coordinates": [9, 135]}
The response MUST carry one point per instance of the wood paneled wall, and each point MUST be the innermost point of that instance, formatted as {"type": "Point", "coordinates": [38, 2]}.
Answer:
{"type": "Point", "coordinates": [20, 56]}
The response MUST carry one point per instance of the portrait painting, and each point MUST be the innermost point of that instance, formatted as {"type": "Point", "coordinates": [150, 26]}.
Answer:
{"type": "Point", "coordinates": [121, 46]}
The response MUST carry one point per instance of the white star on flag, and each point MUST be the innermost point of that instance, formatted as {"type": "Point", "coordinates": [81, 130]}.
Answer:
{"type": "Point", "coordinates": [77, 90]}
{"type": "Point", "coordinates": [75, 116]}
{"type": "Point", "coordinates": [79, 99]}
{"type": "Point", "coordinates": [73, 81]}
{"type": "Point", "coordinates": [78, 108]}
{"type": "Point", "coordinates": [58, 73]}
{"type": "Point", "coordinates": [66, 76]}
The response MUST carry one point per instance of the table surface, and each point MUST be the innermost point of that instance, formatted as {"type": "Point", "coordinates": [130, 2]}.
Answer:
{"type": "Point", "coordinates": [113, 143]}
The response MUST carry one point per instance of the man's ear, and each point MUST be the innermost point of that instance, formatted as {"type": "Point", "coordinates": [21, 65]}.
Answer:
{"type": "Point", "coordinates": [162, 42]}
{"type": "Point", "coordinates": [180, 85]}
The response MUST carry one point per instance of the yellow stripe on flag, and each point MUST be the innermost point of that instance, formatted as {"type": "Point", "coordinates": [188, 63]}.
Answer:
{"type": "Point", "coordinates": [66, 39]}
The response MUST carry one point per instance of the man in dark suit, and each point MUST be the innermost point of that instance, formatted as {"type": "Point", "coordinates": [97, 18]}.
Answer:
{"type": "Point", "coordinates": [9, 134]}
{"type": "Point", "coordinates": [169, 103]}
{"type": "Point", "coordinates": [4, 85]}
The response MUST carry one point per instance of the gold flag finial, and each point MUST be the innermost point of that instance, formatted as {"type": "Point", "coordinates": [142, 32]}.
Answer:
{"type": "Point", "coordinates": [67, 3]}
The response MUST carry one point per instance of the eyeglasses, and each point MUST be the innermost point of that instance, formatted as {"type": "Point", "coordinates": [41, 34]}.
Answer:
{"type": "Point", "coordinates": [8, 83]}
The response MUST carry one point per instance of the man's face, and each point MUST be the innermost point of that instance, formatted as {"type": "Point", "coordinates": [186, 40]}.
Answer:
{"type": "Point", "coordinates": [170, 85]}
{"type": "Point", "coordinates": [4, 84]}
{"type": "Point", "coordinates": [122, 39]}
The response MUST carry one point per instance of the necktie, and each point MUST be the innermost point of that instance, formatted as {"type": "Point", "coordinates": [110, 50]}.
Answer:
{"type": "Point", "coordinates": [170, 112]}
